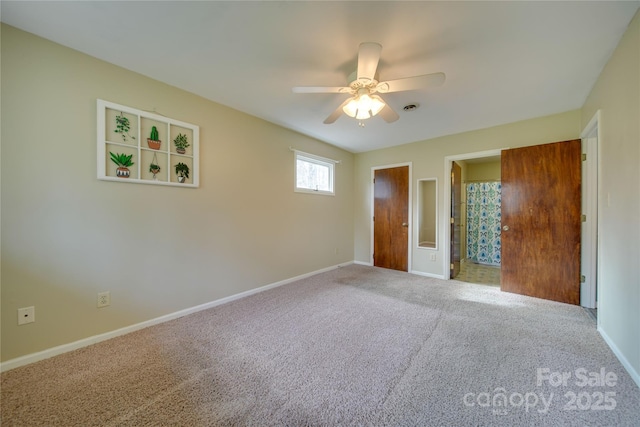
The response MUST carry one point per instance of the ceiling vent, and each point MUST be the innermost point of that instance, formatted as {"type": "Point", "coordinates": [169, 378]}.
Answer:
{"type": "Point", "coordinates": [410, 107]}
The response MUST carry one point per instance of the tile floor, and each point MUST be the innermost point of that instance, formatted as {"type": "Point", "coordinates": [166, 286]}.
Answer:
{"type": "Point", "coordinates": [478, 273]}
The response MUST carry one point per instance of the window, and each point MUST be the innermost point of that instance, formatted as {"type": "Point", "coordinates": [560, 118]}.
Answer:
{"type": "Point", "coordinates": [314, 174]}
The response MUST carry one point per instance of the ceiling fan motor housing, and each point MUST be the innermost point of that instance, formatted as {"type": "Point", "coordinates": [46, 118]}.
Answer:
{"type": "Point", "coordinates": [355, 83]}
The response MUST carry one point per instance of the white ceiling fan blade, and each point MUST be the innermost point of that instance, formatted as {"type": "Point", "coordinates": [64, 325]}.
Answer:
{"type": "Point", "coordinates": [336, 113]}
{"type": "Point", "coordinates": [320, 89]}
{"type": "Point", "coordinates": [412, 83]}
{"type": "Point", "coordinates": [388, 114]}
{"type": "Point", "coordinates": [368, 57]}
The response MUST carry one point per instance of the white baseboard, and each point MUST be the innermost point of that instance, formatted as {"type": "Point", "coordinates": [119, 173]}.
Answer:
{"type": "Point", "coordinates": [422, 273]}
{"type": "Point", "coordinates": [418, 273]}
{"type": "Point", "coordinates": [54, 351]}
{"type": "Point", "coordinates": [623, 360]}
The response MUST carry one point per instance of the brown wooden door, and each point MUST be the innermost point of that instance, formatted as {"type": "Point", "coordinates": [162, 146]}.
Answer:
{"type": "Point", "coordinates": [541, 221]}
{"type": "Point", "coordinates": [456, 203]}
{"type": "Point", "coordinates": [391, 218]}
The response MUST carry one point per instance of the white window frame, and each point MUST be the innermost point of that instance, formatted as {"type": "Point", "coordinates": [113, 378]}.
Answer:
{"type": "Point", "coordinates": [318, 160]}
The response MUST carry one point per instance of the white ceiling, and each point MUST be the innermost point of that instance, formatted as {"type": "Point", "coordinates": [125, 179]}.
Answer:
{"type": "Point", "coordinates": [504, 61]}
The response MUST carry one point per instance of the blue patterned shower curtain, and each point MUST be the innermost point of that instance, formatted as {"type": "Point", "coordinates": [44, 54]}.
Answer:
{"type": "Point", "coordinates": [483, 222]}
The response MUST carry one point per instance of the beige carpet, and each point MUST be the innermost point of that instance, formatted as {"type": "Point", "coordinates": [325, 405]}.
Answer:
{"type": "Point", "coordinates": [354, 346]}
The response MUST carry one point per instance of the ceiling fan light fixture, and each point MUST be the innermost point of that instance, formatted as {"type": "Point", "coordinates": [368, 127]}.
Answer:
{"type": "Point", "coordinates": [364, 106]}
{"type": "Point", "coordinates": [351, 109]}
{"type": "Point", "coordinates": [363, 114]}
{"type": "Point", "coordinates": [377, 104]}
{"type": "Point", "coordinates": [364, 102]}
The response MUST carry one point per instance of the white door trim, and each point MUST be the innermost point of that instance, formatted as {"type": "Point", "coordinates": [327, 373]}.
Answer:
{"type": "Point", "coordinates": [590, 207]}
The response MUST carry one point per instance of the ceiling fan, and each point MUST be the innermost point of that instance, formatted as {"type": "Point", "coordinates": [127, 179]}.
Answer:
{"type": "Point", "coordinates": [363, 85]}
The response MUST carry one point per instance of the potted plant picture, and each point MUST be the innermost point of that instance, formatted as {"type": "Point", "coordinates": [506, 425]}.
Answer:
{"type": "Point", "coordinates": [154, 169]}
{"type": "Point", "coordinates": [181, 143]}
{"type": "Point", "coordinates": [123, 162]}
{"type": "Point", "coordinates": [154, 141]}
{"type": "Point", "coordinates": [123, 127]}
{"type": "Point", "coordinates": [182, 171]}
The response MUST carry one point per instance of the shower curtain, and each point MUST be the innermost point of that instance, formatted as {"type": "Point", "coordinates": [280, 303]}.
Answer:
{"type": "Point", "coordinates": [483, 222]}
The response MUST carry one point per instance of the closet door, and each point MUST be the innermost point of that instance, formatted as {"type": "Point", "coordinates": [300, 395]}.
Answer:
{"type": "Point", "coordinates": [541, 221]}
{"type": "Point", "coordinates": [391, 218]}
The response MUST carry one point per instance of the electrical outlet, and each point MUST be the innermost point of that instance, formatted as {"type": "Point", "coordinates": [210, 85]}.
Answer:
{"type": "Point", "coordinates": [26, 315]}
{"type": "Point", "coordinates": [104, 299]}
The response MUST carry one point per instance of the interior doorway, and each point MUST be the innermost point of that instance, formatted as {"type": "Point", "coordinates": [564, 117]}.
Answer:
{"type": "Point", "coordinates": [477, 255]}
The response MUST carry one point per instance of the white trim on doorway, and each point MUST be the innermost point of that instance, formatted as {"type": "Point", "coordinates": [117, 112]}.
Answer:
{"type": "Point", "coordinates": [590, 208]}
{"type": "Point", "coordinates": [444, 221]}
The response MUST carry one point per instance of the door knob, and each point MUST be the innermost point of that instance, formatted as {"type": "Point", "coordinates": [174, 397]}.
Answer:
{"type": "Point", "coordinates": [505, 228]}
{"type": "Point", "coordinates": [404, 224]}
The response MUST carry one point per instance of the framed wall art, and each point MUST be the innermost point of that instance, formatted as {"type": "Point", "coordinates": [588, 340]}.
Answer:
{"type": "Point", "coordinates": [136, 146]}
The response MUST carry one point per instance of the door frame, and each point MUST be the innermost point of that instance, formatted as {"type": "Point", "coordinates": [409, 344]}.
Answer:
{"type": "Point", "coordinates": [445, 222]}
{"type": "Point", "coordinates": [590, 268]}
{"type": "Point", "coordinates": [409, 209]}
{"type": "Point", "coordinates": [452, 225]}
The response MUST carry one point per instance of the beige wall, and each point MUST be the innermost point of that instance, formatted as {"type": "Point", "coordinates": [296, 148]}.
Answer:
{"type": "Point", "coordinates": [428, 160]}
{"type": "Point", "coordinates": [489, 171]}
{"type": "Point", "coordinates": [67, 236]}
{"type": "Point", "coordinates": [617, 95]}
